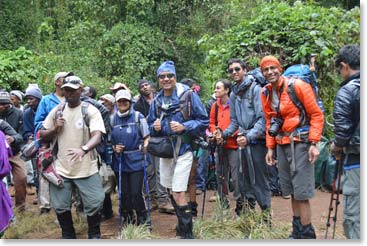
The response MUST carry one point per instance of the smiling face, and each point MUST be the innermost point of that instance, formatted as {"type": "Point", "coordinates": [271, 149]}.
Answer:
{"type": "Point", "coordinates": [167, 81]}
{"type": "Point", "coordinates": [220, 91]}
{"type": "Point", "coordinates": [123, 105]}
{"type": "Point", "coordinates": [271, 73]}
{"type": "Point", "coordinates": [236, 72]}
{"type": "Point", "coordinates": [72, 96]}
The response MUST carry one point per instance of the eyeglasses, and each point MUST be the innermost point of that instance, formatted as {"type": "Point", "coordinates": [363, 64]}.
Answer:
{"type": "Point", "coordinates": [163, 76]}
{"type": "Point", "coordinates": [237, 69]}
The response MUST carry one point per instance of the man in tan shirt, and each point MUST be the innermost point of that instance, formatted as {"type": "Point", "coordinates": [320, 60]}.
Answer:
{"type": "Point", "coordinates": [76, 159]}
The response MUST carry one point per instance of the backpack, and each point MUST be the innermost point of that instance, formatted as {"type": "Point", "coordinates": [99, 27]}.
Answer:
{"type": "Point", "coordinates": [259, 79]}
{"type": "Point", "coordinates": [185, 105]}
{"type": "Point", "coordinates": [303, 72]}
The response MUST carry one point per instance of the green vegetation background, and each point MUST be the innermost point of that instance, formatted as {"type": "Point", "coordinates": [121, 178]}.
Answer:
{"type": "Point", "coordinates": [107, 41]}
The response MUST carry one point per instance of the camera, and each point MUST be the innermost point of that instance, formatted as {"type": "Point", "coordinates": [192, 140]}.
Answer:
{"type": "Point", "coordinates": [199, 142]}
{"type": "Point", "coordinates": [275, 125]}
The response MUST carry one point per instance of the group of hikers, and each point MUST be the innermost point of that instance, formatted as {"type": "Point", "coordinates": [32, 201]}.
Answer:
{"type": "Point", "coordinates": [156, 147]}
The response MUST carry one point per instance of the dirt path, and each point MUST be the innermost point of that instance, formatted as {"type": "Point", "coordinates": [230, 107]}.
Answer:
{"type": "Point", "coordinates": [164, 224]}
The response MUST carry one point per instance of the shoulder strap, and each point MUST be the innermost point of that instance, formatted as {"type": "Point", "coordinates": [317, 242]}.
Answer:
{"type": "Point", "coordinates": [216, 113]}
{"type": "Point", "coordinates": [251, 92]}
{"type": "Point", "coordinates": [60, 109]}
{"type": "Point", "coordinates": [293, 96]}
{"type": "Point", "coordinates": [85, 106]}
{"type": "Point", "coordinates": [186, 104]}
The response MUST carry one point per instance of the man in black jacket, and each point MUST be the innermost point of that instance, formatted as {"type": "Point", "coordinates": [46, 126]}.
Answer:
{"type": "Point", "coordinates": [11, 116]}
{"type": "Point", "coordinates": [347, 135]}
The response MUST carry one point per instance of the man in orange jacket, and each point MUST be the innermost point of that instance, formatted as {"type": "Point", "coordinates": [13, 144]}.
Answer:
{"type": "Point", "coordinates": [283, 132]}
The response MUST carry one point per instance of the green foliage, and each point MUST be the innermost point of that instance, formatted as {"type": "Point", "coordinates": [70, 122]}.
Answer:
{"type": "Point", "coordinates": [18, 68]}
{"type": "Point", "coordinates": [129, 52]}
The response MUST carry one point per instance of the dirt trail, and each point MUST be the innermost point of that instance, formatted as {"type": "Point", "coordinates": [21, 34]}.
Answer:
{"type": "Point", "coordinates": [164, 224]}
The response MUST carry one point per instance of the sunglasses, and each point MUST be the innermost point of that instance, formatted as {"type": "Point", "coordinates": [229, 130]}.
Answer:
{"type": "Point", "coordinates": [74, 82]}
{"type": "Point", "coordinates": [237, 69]}
{"type": "Point", "coordinates": [163, 76]}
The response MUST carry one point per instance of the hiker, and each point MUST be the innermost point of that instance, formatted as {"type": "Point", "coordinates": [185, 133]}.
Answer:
{"type": "Point", "coordinates": [16, 97]}
{"type": "Point", "coordinates": [33, 96]}
{"type": "Point", "coordinates": [247, 117]}
{"type": "Point", "coordinates": [7, 213]}
{"type": "Point", "coordinates": [76, 158]}
{"type": "Point", "coordinates": [346, 142]}
{"type": "Point", "coordinates": [296, 147]}
{"type": "Point", "coordinates": [109, 102]}
{"type": "Point", "coordinates": [158, 194]}
{"type": "Point", "coordinates": [170, 122]}
{"type": "Point", "coordinates": [197, 151]}
{"type": "Point", "coordinates": [118, 86]}
{"type": "Point", "coordinates": [130, 136]}
{"type": "Point", "coordinates": [227, 157]}
{"type": "Point", "coordinates": [90, 91]}
{"type": "Point", "coordinates": [47, 103]}
{"type": "Point", "coordinates": [14, 117]}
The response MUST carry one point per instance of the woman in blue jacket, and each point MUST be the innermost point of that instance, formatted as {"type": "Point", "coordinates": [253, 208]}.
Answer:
{"type": "Point", "coordinates": [130, 136]}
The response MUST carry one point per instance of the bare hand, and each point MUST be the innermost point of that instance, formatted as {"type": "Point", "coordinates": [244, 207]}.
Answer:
{"type": "Point", "coordinates": [218, 136]}
{"type": "Point", "coordinates": [157, 125]}
{"type": "Point", "coordinates": [76, 154]}
{"type": "Point", "coordinates": [59, 124]}
{"type": "Point", "coordinates": [118, 148]}
{"type": "Point", "coordinates": [9, 139]}
{"type": "Point", "coordinates": [177, 127]}
{"type": "Point", "coordinates": [313, 154]}
{"type": "Point", "coordinates": [269, 158]}
{"type": "Point", "coordinates": [335, 150]}
{"type": "Point", "coordinates": [242, 141]}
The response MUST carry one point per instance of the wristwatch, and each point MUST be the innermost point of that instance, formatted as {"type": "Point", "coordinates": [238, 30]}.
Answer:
{"type": "Point", "coordinates": [85, 148]}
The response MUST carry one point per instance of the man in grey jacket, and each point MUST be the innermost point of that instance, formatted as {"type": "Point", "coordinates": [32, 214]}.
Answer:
{"type": "Point", "coordinates": [247, 117]}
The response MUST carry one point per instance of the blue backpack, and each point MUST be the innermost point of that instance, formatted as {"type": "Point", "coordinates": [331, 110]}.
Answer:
{"type": "Point", "coordinates": [303, 72]}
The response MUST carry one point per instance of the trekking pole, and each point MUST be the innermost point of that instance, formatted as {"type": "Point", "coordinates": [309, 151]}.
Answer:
{"type": "Point", "coordinates": [222, 180]}
{"type": "Point", "coordinates": [120, 195]}
{"type": "Point", "coordinates": [334, 195]}
{"type": "Point", "coordinates": [147, 188]}
{"type": "Point", "coordinates": [207, 179]}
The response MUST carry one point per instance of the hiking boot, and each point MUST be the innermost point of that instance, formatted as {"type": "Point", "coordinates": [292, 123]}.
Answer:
{"type": "Point", "coordinates": [66, 223]}
{"type": "Point", "coordinates": [307, 232]}
{"type": "Point", "coordinates": [45, 211]}
{"type": "Point", "coordinates": [166, 207]}
{"type": "Point", "coordinates": [128, 218]}
{"type": "Point", "coordinates": [30, 190]}
{"type": "Point", "coordinates": [185, 225]}
{"type": "Point", "coordinates": [142, 218]}
{"type": "Point", "coordinates": [94, 222]}
{"type": "Point", "coordinates": [194, 208]}
{"type": "Point", "coordinates": [105, 217]}
{"type": "Point", "coordinates": [239, 207]}
{"type": "Point", "coordinates": [225, 203]}
{"type": "Point", "coordinates": [296, 227]}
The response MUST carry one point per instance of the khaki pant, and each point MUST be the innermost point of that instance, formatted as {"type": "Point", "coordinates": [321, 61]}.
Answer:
{"type": "Point", "coordinates": [19, 173]}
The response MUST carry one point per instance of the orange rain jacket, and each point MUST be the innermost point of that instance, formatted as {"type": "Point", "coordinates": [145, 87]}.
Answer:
{"type": "Point", "coordinates": [290, 113]}
{"type": "Point", "coordinates": [224, 121]}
